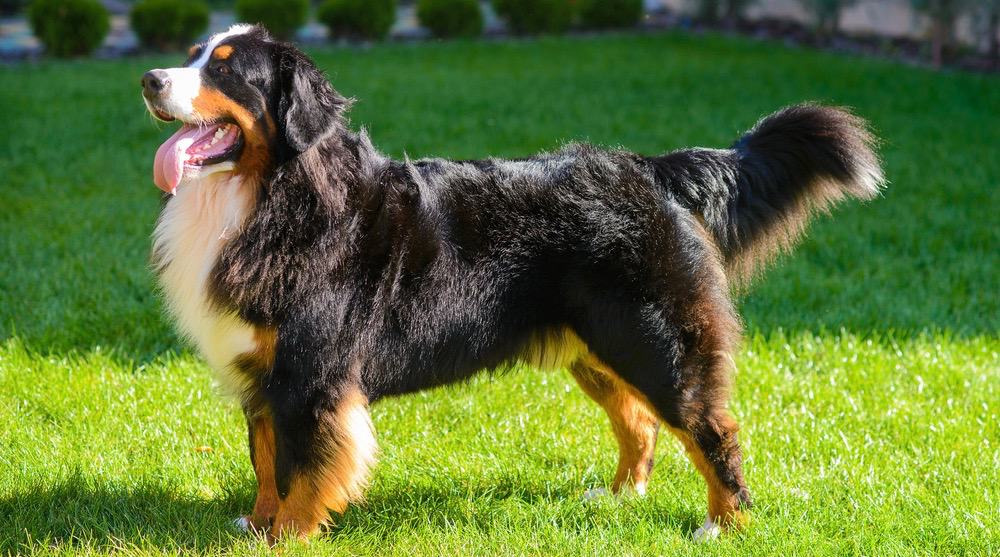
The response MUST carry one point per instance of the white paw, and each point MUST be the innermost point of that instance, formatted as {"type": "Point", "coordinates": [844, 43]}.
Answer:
{"type": "Point", "coordinates": [632, 490]}
{"type": "Point", "coordinates": [626, 492]}
{"type": "Point", "coordinates": [242, 524]}
{"type": "Point", "coordinates": [708, 531]}
{"type": "Point", "coordinates": [596, 493]}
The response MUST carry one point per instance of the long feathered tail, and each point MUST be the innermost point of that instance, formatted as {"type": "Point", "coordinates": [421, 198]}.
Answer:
{"type": "Point", "coordinates": [756, 197]}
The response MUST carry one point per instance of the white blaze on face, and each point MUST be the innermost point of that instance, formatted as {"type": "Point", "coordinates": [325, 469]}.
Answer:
{"type": "Point", "coordinates": [216, 40]}
{"type": "Point", "coordinates": [185, 83]}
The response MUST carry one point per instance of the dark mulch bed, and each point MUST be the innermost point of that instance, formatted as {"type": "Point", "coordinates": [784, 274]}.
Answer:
{"type": "Point", "coordinates": [902, 49]}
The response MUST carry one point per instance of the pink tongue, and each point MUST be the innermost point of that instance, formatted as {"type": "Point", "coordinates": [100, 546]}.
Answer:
{"type": "Point", "coordinates": [168, 166]}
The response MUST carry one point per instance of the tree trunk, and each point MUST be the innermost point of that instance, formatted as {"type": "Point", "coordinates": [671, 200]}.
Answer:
{"type": "Point", "coordinates": [731, 15]}
{"type": "Point", "coordinates": [994, 29]}
{"type": "Point", "coordinates": [939, 36]}
{"type": "Point", "coordinates": [708, 11]}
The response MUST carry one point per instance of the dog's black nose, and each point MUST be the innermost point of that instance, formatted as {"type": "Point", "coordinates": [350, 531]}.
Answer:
{"type": "Point", "coordinates": [154, 82]}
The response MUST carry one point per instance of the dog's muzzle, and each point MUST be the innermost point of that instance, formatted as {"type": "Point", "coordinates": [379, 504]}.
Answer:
{"type": "Point", "coordinates": [155, 83]}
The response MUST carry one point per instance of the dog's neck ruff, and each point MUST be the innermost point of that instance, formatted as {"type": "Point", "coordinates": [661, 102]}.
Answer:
{"type": "Point", "coordinates": [195, 224]}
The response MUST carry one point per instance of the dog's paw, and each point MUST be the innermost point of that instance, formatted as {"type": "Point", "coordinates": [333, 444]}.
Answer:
{"type": "Point", "coordinates": [629, 491]}
{"type": "Point", "coordinates": [596, 493]}
{"type": "Point", "coordinates": [709, 531]}
{"type": "Point", "coordinates": [625, 492]}
{"type": "Point", "coordinates": [242, 524]}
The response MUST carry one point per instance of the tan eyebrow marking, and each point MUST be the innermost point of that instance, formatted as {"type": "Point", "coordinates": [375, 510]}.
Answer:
{"type": "Point", "coordinates": [222, 52]}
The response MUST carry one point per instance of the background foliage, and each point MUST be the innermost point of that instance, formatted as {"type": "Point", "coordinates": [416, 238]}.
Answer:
{"type": "Point", "coordinates": [281, 17]}
{"type": "Point", "coordinates": [69, 27]}
{"type": "Point", "coordinates": [168, 24]}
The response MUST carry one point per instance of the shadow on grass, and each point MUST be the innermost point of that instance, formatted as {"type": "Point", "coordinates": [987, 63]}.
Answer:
{"type": "Point", "coordinates": [77, 514]}
{"type": "Point", "coordinates": [489, 505]}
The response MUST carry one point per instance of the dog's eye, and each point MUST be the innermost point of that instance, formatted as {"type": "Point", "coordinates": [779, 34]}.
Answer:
{"type": "Point", "coordinates": [223, 69]}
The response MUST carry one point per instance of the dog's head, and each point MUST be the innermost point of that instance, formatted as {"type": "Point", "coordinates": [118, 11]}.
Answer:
{"type": "Point", "coordinates": [247, 103]}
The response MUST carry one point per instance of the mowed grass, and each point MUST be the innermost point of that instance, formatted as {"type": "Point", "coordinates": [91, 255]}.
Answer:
{"type": "Point", "coordinates": [868, 386]}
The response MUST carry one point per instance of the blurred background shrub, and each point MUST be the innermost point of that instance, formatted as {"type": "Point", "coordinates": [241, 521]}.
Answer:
{"type": "Point", "coordinates": [168, 24]}
{"type": "Point", "coordinates": [730, 11]}
{"type": "Point", "coordinates": [11, 7]}
{"type": "Point", "coordinates": [451, 18]}
{"type": "Point", "coordinates": [609, 14]}
{"type": "Point", "coordinates": [281, 17]}
{"type": "Point", "coordinates": [536, 16]}
{"type": "Point", "coordinates": [69, 27]}
{"type": "Point", "coordinates": [358, 19]}
{"type": "Point", "coordinates": [826, 14]}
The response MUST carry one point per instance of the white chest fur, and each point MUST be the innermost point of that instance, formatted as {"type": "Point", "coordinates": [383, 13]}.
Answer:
{"type": "Point", "coordinates": [189, 235]}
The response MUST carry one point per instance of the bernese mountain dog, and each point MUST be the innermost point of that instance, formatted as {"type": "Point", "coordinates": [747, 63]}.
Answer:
{"type": "Point", "coordinates": [318, 276]}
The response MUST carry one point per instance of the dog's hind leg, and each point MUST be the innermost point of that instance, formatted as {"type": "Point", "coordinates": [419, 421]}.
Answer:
{"type": "Point", "coordinates": [716, 454]}
{"type": "Point", "coordinates": [634, 424]}
{"type": "Point", "coordinates": [672, 340]}
{"type": "Point", "coordinates": [709, 435]}
{"type": "Point", "coordinates": [694, 409]}
{"type": "Point", "coordinates": [324, 455]}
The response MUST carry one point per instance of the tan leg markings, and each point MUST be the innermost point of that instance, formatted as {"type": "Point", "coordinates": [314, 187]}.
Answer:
{"type": "Point", "coordinates": [266, 505]}
{"type": "Point", "coordinates": [632, 421]}
{"type": "Point", "coordinates": [723, 504]}
{"type": "Point", "coordinates": [339, 476]}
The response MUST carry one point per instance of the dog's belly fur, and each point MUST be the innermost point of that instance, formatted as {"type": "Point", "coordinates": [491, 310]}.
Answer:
{"type": "Point", "coordinates": [193, 227]}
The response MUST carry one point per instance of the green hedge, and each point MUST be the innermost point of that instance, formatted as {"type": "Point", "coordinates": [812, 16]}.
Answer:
{"type": "Point", "coordinates": [69, 27]}
{"type": "Point", "coordinates": [451, 18]}
{"type": "Point", "coordinates": [610, 14]}
{"type": "Point", "coordinates": [168, 24]}
{"type": "Point", "coordinates": [536, 16]}
{"type": "Point", "coordinates": [11, 7]}
{"type": "Point", "coordinates": [365, 19]}
{"type": "Point", "coordinates": [281, 17]}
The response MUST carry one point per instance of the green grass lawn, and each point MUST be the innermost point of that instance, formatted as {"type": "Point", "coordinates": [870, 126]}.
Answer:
{"type": "Point", "coordinates": [868, 386]}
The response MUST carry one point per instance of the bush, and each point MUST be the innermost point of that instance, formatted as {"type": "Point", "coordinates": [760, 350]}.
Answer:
{"type": "Point", "coordinates": [281, 17]}
{"type": "Point", "coordinates": [11, 7]}
{"type": "Point", "coordinates": [731, 10]}
{"type": "Point", "coordinates": [707, 10]}
{"type": "Point", "coordinates": [451, 18]}
{"type": "Point", "coordinates": [536, 16]}
{"type": "Point", "coordinates": [826, 13]}
{"type": "Point", "coordinates": [366, 19]}
{"type": "Point", "coordinates": [608, 14]}
{"type": "Point", "coordinates": [735, 10]}
{"type": "Point", "coordinates": [69, 27]}
{"type": "Point", "coordinates": [167, 24]}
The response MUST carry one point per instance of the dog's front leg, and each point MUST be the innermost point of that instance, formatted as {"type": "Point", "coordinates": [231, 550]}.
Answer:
{"type": "Point", "coordinates": [324, 451]}
{"type": "Point", "coordinates": [260, 433]}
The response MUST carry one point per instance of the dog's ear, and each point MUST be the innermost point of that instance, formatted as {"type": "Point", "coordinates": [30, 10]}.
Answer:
{"type": "Point", "coordinates": [309, 108]}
